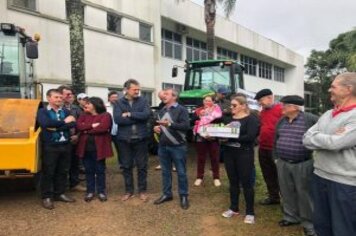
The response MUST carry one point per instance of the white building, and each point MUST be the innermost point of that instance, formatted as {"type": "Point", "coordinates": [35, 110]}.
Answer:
{"type": "Point", "coordinates": [144, 39]}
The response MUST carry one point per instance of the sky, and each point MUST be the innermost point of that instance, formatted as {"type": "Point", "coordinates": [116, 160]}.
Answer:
{"type": "Point", "coordinates": [301, 25]}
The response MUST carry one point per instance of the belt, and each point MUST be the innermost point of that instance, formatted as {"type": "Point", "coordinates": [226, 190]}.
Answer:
{"type": "Point", "coordinates": [296, 161]}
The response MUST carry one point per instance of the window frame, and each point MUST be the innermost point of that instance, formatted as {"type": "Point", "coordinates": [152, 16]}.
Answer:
{"type": "Point", "coordinates": [223, 53]}
{"type": "Point", "coordinates": [265, 70]}
{"type": "Point", "coordinates": [118, 20]}
{"type": "Point", "coordinates": [250, 65]}
{"type": "Point", "coordinates": [28, 8]}
{"type": "Point", "coordinates": [175, 42]}
{"type": "Point", "coordinates": [278, 74]}
{"type": "Point", "coordinates": [178, 87]}
{"type": "Point", "coordinates": [197, 49]}
{"type": "Point", "coordinates": [143, 34]}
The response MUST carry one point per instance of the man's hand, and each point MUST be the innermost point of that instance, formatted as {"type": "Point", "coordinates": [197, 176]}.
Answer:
{"type": "Point", "coordinates": [157, 129]}
{"type": "Point", "coordinates": [340, 130]}
{"type": "Point", "coordinates": [126, 114]}
{"type": "Point", "coordinates": [69, 119]}
{"type": "Point", "coordinates": [74, 139]}
{"type": "Point", "coordinates": [164, 123]}
{"type": "Point", "coordinates": [94, 125]}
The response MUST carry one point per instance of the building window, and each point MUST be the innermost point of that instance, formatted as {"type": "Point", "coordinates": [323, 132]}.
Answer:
{"type": "Point", "coordinates": [250, 65]}
{"type": "Point", "coordinates": [148, 96]}
{"type": "Point", "coordinates": [27, 4]}
{"type": "Point", "coordinates": [278, 74]}
{"type": "Point", "coordinates": [177, 87]}
{"type": "Point", "coordinates": [145, 32]}
{"type": "Point", "coordinates": [196, 50]}
{"type": "Point", "coordinates": [264, 70]}
{"type": "Point", "coordinates": [113, 23]}
{"type": "Point", "coordinates": [171, 44]}
{"type": "Point", "coordinates": [226, 54]}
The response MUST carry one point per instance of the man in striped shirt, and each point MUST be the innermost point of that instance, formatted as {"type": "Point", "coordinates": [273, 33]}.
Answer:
{"type": "Point", "coordinates": [294, 164]}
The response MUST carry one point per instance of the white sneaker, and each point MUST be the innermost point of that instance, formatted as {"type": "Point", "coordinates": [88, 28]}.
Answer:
{"type": "Point", "coordinates": [249, 219]}
{"type": "Point", "coordinates": [198, 182]}
{"type": "Point", "coordinates": [229, 213]}
{"type": "Point", "coordinates": [217, 182]}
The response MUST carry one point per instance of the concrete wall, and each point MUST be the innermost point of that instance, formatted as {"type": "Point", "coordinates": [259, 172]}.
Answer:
{"type": "Point", "coordinates": [110, 59]}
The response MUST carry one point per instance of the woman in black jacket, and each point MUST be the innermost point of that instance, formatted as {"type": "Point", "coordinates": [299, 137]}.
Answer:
{"type": "Point", "coordinates": [239, 157]}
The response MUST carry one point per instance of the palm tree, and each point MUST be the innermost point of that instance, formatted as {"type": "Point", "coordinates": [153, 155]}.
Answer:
{"type": "Point", "coordinates": [210, 18]}
{"type": "Point", "coordinates": [75, 14]}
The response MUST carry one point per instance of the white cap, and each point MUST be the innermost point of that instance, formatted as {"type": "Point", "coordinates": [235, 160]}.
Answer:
{"type": "Point", "coordinates": [82, 96]}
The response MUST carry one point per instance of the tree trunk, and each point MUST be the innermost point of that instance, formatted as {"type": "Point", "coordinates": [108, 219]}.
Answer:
{"type": "Point", "coordinates": [75, 11]}
{"type": "Point", "coordinates": [210, 16]}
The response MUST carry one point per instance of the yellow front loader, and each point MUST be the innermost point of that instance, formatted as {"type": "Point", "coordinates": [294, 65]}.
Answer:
{"type": "Point", "coordinates": [19, 138]}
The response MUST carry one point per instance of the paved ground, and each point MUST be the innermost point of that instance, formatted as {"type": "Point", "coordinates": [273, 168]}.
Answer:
{"type": "Point", "coordinates": [21, 213]}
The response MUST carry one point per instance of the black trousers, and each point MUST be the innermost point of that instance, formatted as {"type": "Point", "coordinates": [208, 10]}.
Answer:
{"type": "Point", "coordinates": [134, 154]}
{"type": "Point", "coordinates": [55, 167]}
{"type": "Point", "coordinates": [269, 172]}
{"type": "Point", "coordinates": [239, 164]}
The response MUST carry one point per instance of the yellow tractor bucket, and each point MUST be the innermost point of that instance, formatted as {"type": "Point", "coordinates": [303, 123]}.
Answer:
{"type": "Point", "coordinates": [19, 141]}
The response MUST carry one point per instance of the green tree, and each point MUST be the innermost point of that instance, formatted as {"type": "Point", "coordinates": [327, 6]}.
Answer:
{"type": "Point", "coordinates": [75, 14]}
{"type": "Point", "coordinates": [342, 51]}
{"type": "Point", "coordinates": [318, 70]}
{"type": "Point", "coordinates": [210, 19]}
{"type": "Point", "coordinates": [322, 66]}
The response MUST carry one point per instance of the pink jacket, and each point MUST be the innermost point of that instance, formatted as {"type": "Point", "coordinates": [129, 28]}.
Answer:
{"type": "Point", "coordinates": [209, 115]}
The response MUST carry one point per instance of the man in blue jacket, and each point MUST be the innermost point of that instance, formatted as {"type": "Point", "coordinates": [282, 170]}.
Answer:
{"type": "Point", "coordinates": [55, 123]}
{"type": "Point", "coordinates": [131, 114]}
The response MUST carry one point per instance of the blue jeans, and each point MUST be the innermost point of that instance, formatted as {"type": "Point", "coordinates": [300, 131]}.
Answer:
{"type": "Point", "coordinates": [94, 172]}
{"type": "Point", "coordinates": [178, 155]}
{"type": "Point", "coordinates": [334, 207]}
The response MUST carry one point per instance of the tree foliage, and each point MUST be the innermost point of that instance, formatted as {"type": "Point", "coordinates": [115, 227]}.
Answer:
{"type": "Point", "coordinates": [322, 66]}
{"type": "Point", "coordinates": [210, 19]}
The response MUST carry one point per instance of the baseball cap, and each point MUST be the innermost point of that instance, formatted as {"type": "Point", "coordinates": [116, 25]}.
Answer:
{"type": "Point", "coordinates": [82, 96]}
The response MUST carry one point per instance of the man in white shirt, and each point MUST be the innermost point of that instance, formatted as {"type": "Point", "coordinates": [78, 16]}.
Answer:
{"type": "Point", "coordinates": [113, 96]}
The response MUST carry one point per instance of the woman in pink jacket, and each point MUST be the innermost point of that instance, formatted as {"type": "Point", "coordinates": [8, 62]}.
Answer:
{"type": "Point", "coordinates": [207, 146]}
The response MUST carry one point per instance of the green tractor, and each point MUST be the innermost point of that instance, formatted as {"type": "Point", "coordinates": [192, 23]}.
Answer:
{"type": "Point", "coordinates": [204, 78]}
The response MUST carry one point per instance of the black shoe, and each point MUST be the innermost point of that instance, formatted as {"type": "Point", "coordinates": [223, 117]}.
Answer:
{"type": "Point", "coordinates": [286, 223]}
{"type": "Point", "coordinates": [162, 199]}
{"type": "Point", "coordinates": [47, 203]}
{"type": "Point", "coordinates": [88, 197]}
{"type": "Point", "coordinates": [184, 203]}
{"type": "Point", "coordinates": [309, 232]}
{"type": "Point", "coordinates": [269, 201]}
{"type": "Point", "coordinates": [64, 198]}
{"type": "Point", "coordinates": [102, 197]}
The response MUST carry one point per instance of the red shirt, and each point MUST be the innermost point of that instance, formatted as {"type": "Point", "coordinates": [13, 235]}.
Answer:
{"type": "Point", "coordinates": [337, 111]}
{"type": "Point", "coordinates": [101, 134]}
{"type": "Point", "coordinates": [269, 118]}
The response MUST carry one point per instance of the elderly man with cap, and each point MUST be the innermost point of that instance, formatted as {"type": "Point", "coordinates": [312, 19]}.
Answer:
{"type": "Point", "coordinates": [269, 117]}
{"type": "Point", "coordinates": [294, 164]}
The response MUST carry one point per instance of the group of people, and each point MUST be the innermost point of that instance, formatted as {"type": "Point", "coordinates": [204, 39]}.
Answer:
{"type": "Point", "coordinates": [308, 164]}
